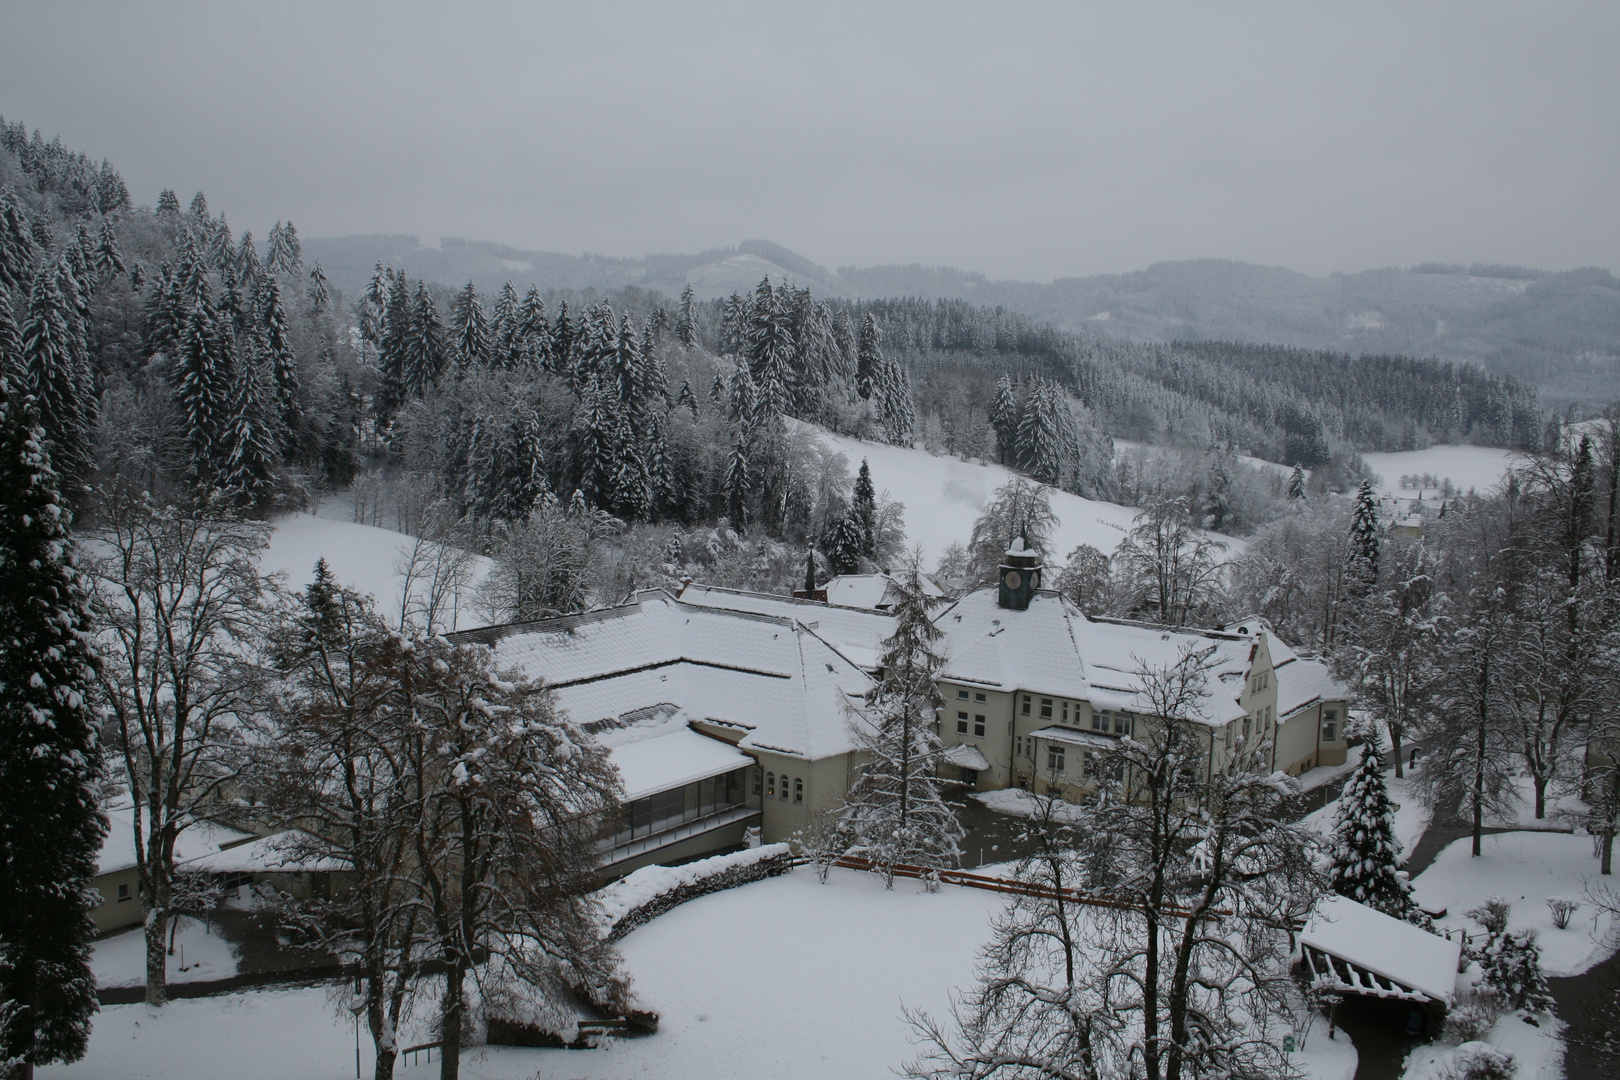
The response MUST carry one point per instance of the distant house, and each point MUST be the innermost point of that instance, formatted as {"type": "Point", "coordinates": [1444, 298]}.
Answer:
{"type": "Point", "coordinates": [116, 880]}
{"type": "Point", "coordinates": [877, 592]}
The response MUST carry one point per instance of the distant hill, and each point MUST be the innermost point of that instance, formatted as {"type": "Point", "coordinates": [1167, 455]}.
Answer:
{"type": "Point", "coordinates": [1558, 331]}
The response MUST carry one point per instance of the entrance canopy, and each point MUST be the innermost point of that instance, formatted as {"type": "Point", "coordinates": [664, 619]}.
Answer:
{"type": "Point", "coordinates": [1351, 948]}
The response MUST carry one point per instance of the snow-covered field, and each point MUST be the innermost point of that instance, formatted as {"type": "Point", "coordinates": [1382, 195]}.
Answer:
{"type": "Point", "coordinates": [1525, 869]}
{"type": "Point", "coordinates": [364, 558]}
{"type": "Point", "coordinates": [120, 960]}
{"type": "Point", "coordinates": [943, 495]}
{"type": "Point", "coordinates": [1476, 467]}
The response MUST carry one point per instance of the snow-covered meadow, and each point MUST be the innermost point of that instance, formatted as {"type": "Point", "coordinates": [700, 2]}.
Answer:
{"type": "Point", "coordinates": [1475, 468]}
{"type": "Point", "coordinates": [943, 495]}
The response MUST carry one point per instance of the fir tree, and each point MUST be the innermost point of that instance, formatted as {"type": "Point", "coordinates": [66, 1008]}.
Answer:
{"type": "Point", "coordinates": [506, 327]}
{"type": "Point", "coordinates": [248, 266]}
{"type": "Point", "coordinates": [16, 244]}
{"type": "Point", "coordinates": [202, 388]}
{"type": "Point", "coordinates": [248, 454]}
{"type": "Point", "coordinates": [320, 293]}
{"type": "Point", "coordinates": [57, 377]}
{"type": "Point", "coordinates": [168, 204]}
{"type": "Point", "coordinates": [51, 829]}
{"type": "Point", "coordinates": [109, 260]}
{"type": "Point", "coordinates": [1004, 421]}
{"type": "Point", "coordinates": [425, 351]}
{"type": "Point", "coordinates": [469, 330]}
{"type": "Point", "coordinates": [1366, 854]}
{"type": "Point", "coordinates": [1040, 441]}
{"type": "Point", "coordinates": [686, 324]}
{"type": "Point", "coordinates": [770, 353]}
{"type": "Point", "coordinates": [286, 253]}
{"type": "Point", "coordinates": [893, 814]}
{"type": "Point", "coordinates": [868, 359]}
{"type": "Point", "coordinates": [739, 482]}
{"type": "Point", "coordinates": [863, 512]}
{"type": "Point", "coordinates": [532, 345]}
{"type": "Point", "coordinates": [1363, 559]}
{"type": "Point", "coordinates": [843, 546]}
{"type": "Point", "coordinates": [1296, 483]}
{"type": "Point", "coordinates": [199, 207]}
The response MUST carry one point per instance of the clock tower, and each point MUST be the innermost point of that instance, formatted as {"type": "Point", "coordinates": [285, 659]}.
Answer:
{"type": "Point", "coordinates": [1020, 576]}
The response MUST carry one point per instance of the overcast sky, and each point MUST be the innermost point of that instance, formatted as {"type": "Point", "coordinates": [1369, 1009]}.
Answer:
{"type": "Point", "coordinates": [1024, 140]}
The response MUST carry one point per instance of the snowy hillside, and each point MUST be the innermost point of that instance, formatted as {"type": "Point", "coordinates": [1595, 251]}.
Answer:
{"type": "Point", "coordinates": [363, 557]}
{"type": "Point", "coordinates": [1467, 467]}
{"type": "Point", "coordinates": [943, 495]}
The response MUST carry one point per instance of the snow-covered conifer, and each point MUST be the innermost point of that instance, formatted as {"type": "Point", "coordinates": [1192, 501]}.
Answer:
{"type": "Point", "coordinates": [1362, 571]}
{"type": "Point", "coordinates": [51, 828]}
{"type": "Point", "coordinates": [470, 336]}
{"type": "Point", "coordinates": [686, 323]}
{"type": "Point", "coordinates": [248, 455]}
{"type": "Point", "coordinates": [201, 377]}
{"type": "Point", "coordinates": [1296, 482]}
{"type": "Point", "coordinates": [894, 814]}
{"type": "Point", "coordinates": [863, 512]}
{"type": "Point", "coordinates": [57, 377]}
{"type": "Point", "coordinates": [425, 349]}
{"type": "Point", "coordinates": [869, 358]}
{"type": "Point", "coordinates": [109, 259]}
{"type": "Point", "coordinates": [1004, 421]}
{"type": "Point", "coordinates": [1365, 852]}
{"type": "Point", "coordinates": [320, 292]}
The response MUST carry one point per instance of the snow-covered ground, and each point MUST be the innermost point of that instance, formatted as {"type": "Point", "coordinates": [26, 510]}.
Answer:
{"type": "Point", "coordinates": [120, 960]}
{"type": "Point", "coordinates": [1538, 1052]}
{"type": "Point", "coordinates": [1476, 467]}
{"type": "Point", "coordinates": [363, 557]}
{"type": "Point", "coordinates": [943, 496]}
{"type": "Point", "coordinates": [785, 977]}
{"type": "Point", "coordinates": [1524, 869]}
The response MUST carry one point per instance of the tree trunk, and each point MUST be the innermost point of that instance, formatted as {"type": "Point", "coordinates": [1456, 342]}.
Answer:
{"type": "Point", "coordinates": [1607, 862]}
{"type": "Point", "coordinates": [1479, 789]}
{"type": "Point", "coordinates": [1540, 783]}
{"type": "Point", "coordinates": [157, 958]}
{"type": "Point", "coordinates": [1395, 746]}
{"type": "Point", "coordinates": [450, 1023]}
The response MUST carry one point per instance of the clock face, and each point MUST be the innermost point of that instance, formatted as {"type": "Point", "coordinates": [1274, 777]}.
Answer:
{"type": "Point", "coordinates": [1013, 580]}
{"type": "Point", "coordinates": [1035, 580]}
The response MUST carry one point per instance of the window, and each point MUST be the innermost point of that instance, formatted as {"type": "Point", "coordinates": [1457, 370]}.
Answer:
{"type": "Point", "coordinates": [1100, 719]}
{"type": "Point", "coordinates": [1328, 731]}
{"type": "Point", "coordinates": [770, 785]}
{"type": "Point", "coordinates": [798, 789]}
{"type": "Point", "coordinates": [1330, 725]}
{"type": "Point", "coordinates": [1018, 746]}
{"type": "Point", "coordinates": [1065, 712]}
{"type": "Point", "coordinates": [979, 698]}
{"type": "Point", "coordinates": [1271, 715]}
{"type": "Point", "coordinates": [1089, 765]}
{"type": "Point", "coordinates": [1026, 704]}
{"type": "Point", "coordinates": [1054, 759]}
{"type": "Point", "coordinates": [759, 781]}
{"type": "Point", "coordinates": [1122, 723]}
{"type": "Point", "coordinates": [1046, 708]}
{"type": "Point", "coordinates": [123, 892]}
{"type": "Point", "coordinates": [961, 695]}
{"type": "Point", "coordinates": [961, 723]}
{"type": "Point", "coordinates": [978, 727]}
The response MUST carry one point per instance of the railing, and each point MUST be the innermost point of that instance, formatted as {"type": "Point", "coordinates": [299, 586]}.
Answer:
{"type": "Point", "coordinates": [412, 1055]}
{"type": "Point", "coordinates": [685, 831]}
{"type": "Point", "coordinates": [1006, 885]}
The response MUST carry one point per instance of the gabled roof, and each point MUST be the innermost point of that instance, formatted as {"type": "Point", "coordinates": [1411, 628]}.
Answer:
{"type": "Point", "coordinates": [197, 839]}
{"type": "Point", "coordinates": [774, 679]}
{"type": "Point", "coordinates": [873, 591]}
{"type": "Point", "coordinates": [1054, 648]}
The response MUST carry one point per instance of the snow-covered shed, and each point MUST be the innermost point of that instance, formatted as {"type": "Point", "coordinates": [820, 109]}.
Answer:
{"type": "Point", "coordinates": [1351, 948]}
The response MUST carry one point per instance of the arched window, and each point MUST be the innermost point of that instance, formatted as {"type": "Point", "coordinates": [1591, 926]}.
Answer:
{"type": "Point", "coordinates": [770, 785]}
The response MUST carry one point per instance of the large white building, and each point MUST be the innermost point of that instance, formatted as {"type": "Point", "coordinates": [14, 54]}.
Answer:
{"type": "Point", "coordinates": [726, 709]}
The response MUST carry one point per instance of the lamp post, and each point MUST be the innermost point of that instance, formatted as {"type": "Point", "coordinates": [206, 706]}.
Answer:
{"type": "Point", "coordinates": [357, 1005]}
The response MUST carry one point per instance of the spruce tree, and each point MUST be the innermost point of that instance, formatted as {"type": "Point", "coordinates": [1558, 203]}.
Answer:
{"type": "Point", "coordinates": [863, 512]}
{"type": "Point", "coordinates": [201, 377]}
{"type": "Point", "coordinates": [57, 377]}
{"type": "Point", "coordinates": [505, 328]}
{"type": "Point", "coordinates": [532, 342]}
{"type": "Point", "coordinates": [1363, 559]}
{"type": "Point", "coordinates": [1004, 421]}
{"type": "Point", "coordinates": [248, 267]}
{"type": "Point", "coordinates": [893, 814]}
{"type": "Point", "coordinates": [425, 350]}
{"type": "Point", "coordinates": [51, 829]}
{"type": "Point", "coordinates": [869, 359]}
{"type": "Point", "coordinates": [320, 293]}
{"type": "Point", "coordinates": [1366, 854]}
{"type": "Point", "coordinates": [770, 353]}
{"type": "Point", "coordinates": [286, 253]}
{"type": "Point", "coordinates": [168, 204]}
{"type": "Point", "coordinates": [16, 244]}
{"type": "Point", "coordinates": [248, 454]}
{"type": "Point", "coordinates": [843, 546]}
{"type": "Point", "coordinates": [199, 207]}
{"type": "Point", "coordinates": [470, 336]}
{"type": "Point", "coordinates": [1039, 437]}
{"type": "Point", "coordinates": [686, 324]}
{"type": "Point", "coordinates": [1296, 483]}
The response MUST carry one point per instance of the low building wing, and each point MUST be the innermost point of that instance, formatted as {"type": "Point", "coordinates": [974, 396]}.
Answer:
{"type": "Point", "coordinates": [1351, 948]}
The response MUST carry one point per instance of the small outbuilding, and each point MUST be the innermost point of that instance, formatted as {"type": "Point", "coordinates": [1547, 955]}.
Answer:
{"type": "Point", "coordinates": [1350, 948]}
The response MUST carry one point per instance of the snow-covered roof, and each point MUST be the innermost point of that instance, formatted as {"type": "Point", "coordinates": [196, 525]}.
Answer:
{"type": "Point", "coordinates": [1384, 945]}
{"type": "Point", "coordinates": [965, 756]}
{"type": "Point", "coordinates": [658, 751]}
{"type": "Point", "coordinates": [282, 852]}
{"type": "Point", "coordinates": [1302, 683]}
{"type": "Point", "coordinates": [195, 840]}
{"type": "Point", "coordinates": [855, 631]}
{"type": "Point", "coordinates": [788, 689]}
{"type": "Point", "coordinates": [1074, 738]}
{"type": "Point", "coordinates": [873, 591]}
{"type": "Point", "coordinates": [1053, 648]}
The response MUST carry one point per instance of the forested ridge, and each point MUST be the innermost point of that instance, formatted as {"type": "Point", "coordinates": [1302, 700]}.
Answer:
{"type": "Point", "coordinates": [171, 355]}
